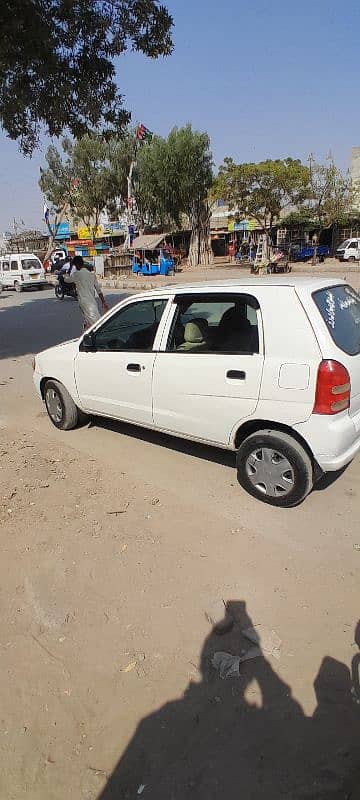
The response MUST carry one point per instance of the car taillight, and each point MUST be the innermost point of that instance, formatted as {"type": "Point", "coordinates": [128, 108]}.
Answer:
{"type": "Point", "coordinates": [332, 388]}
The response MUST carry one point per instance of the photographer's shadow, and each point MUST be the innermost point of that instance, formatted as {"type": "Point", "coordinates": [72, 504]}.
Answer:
{"type": "Point", "coordinates": [244, 737]}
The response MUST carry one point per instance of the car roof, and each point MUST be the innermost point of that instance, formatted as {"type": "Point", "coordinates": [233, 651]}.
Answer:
{"type": "Point", "coordinates": [16, 255]}
{"type": "Point", "coordinates": [308, 282]}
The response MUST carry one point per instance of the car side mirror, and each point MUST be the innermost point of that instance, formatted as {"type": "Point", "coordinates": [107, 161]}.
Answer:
{"type": "Point", "coordinates": [88, 342]}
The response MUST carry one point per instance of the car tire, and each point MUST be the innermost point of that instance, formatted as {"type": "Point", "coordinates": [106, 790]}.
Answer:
{"type": "Point", "coordinates": [62, 411]}
{"type": "Point", "coordinates": [17, 286]}
{"type": "Point", "coordinates": [351, 258]}
{"type": "Point", "coordinates": [273, 467]}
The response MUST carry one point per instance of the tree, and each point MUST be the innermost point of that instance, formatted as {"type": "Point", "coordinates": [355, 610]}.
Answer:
{"type": "Point", "coordinates": [173, 179]}
{"type": "Point", "coordinates": [263, 190]}
{"type": "Point", "coordinates": [79, 181]}
{"type": "Point", "coordinates": [57, 62]}
{"type": "Point", "coordinates": [330, 196]}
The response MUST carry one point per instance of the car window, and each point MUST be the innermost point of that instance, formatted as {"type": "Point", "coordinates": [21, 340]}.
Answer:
{"type": "Point", "coordinates": [215, 323]}
{"type": "Point", "coordinates": [14, 266]}
{"type": "Point", "coordinates": [30, 263]}
{"type": "Point", "coordinates": [344, 244]}
{"type": "Point", "coordinates": [339, 307]}
{"type": "Point", "coordinates": [5, 266]}
{"type": "Point", "coordinates": [353, 244]}
{"type": "Point", "coordinates": [132, 328]}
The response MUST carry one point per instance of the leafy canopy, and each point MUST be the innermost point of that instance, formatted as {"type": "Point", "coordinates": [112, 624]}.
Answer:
{"type": "Point", "coordinates": [331, 194]}
{"type": "Point", "coordinates": [264, 189]}
{"type": "Point", "coordinates": [81, 178]}
{"type": "Point", "coordinates": [174, 175]}
{"type": "Point", "coordinates": [57, 62]}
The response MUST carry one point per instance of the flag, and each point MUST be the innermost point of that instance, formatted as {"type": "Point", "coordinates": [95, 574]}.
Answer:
{"type": "Point", "coordinates": [46, 213]}
{"type": "Point", "coordinates": [144, 134]}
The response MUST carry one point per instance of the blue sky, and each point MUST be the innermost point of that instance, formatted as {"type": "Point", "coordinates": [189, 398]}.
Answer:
{"type": "Point", "coordinates": [266, 80]}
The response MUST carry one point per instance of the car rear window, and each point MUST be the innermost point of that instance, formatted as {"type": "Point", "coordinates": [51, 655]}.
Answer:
{"type": "Point", "coordinates": [339, 307]}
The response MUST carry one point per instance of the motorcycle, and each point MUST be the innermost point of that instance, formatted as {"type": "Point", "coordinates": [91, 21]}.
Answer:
{"type": "Point", "coordinates": [63, 289]}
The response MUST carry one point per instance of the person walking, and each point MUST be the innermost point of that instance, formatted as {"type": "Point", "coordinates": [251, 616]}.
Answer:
{"type": "Point", "coordinates": [86, 285]}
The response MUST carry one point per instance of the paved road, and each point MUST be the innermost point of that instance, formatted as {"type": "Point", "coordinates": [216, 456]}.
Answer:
{"type": "Point", "coordinates": [33, 320]}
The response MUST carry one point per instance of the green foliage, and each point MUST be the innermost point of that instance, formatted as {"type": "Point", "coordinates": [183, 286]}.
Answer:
{"type": "Point", "coordinates": [262, 190]}
{"type": "Point", "coordinates": [174, 175]}
{"type": "Point", "coordinates": [57, 62]}
{"type": "Point", "coordinates": [86, 162]}
{"type": "Point", "coordinates": [330, 194]}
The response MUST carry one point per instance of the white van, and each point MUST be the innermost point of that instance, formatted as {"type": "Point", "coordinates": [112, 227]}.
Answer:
{"type": "Point", "coordinates": [20, 271]}
{"type": "Point", "coordinates": [349, 250]}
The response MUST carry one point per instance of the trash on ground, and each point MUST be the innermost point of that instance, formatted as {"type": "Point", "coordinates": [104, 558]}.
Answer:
{"type": "Point", "coordinates": [120, 510]}
{"type": "Point", "coordinates": [141, 788]}
{"type": "Point", "coordinates": [253, 652]}
{"type": "Point", "coordinates": [226, 665]}
{"type": "Point", "coordinates": [356, 546]}
{"type": "Point", "coordinates": [266, 639]}
{"type": "Point", "coordinates": [129, 667]}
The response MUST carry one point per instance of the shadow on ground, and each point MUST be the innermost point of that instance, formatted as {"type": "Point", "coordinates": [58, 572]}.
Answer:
{"type": "Point", "coordinates": [195, 449]}
{"type": "Point", "coordinates": [246, 737]}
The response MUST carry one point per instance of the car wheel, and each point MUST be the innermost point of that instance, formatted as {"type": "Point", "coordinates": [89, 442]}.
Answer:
{"type": "Point", "coordinates": [274, 468]}
{"type": "Point", "coordinates": [63, 412]}
{"type": "Point", "coordinates": [351, 258]}
{"type": "Point", "coordinates": [17, 286]}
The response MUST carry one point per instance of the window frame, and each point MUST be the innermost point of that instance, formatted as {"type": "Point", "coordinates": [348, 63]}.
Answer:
{"type": "Point", "coordinates": [5, 268]}
{"type": "Point", "coordinates": [225, 296]}
{"type": "Point", "coordinates": [127, 304]}
{"type": "Point", "coordinates": [16, 269]}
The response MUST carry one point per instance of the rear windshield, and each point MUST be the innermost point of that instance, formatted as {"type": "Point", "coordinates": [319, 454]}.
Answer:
{"type": "Point", "coordinates": [339, 307]}
{"type": "Point", "coordinates": [30, 263]}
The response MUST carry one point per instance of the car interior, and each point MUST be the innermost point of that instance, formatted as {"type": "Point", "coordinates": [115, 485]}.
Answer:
{"type": "Point", "coordinates": [216, 326]}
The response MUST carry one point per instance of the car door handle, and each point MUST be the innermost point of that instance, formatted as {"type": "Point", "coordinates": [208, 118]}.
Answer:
{"type": "Point", "coordinates": [133, 368]}
{"type": "Point", "coordinates": [236, 375]}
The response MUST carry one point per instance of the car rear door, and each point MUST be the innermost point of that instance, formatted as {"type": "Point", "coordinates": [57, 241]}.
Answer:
{"type": "Point", "coordinates": [203, 389]}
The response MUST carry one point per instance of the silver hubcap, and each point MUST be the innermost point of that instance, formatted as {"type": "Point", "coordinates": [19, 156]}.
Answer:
{"type": "Point", "coordinates": [270, 472]}
{"type": "Point", "coordinates": [53, 405]}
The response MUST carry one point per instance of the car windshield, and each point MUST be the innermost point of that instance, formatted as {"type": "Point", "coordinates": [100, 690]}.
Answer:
{"type": "Point", "coordinates": [339, 307]}
{"type": "Point", "coordinates": [344, 244]}
{"type": "Point", "coordinates": [30, 263]}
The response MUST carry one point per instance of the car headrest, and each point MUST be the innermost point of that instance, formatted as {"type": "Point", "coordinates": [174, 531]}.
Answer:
{"type": "Point", "coordinates": [195, 331]}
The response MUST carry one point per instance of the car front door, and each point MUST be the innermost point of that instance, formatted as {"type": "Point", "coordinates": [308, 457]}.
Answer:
{"type": "Point", "coordinates": [207, 374]}
{"type": "Point", "coordinates": [114, 377]}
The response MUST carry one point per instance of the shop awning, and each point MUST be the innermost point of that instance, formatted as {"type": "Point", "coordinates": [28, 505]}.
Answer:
{"type": "Point", "coordinates": [148, 241]}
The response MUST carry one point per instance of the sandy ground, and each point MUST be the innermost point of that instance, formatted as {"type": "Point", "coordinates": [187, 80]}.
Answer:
{"type": "Point", "coordinates": [116, 544]}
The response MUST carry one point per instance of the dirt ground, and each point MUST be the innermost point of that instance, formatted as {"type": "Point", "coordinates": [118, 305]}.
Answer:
{"type": "Point", "coordinates": [116, 545]}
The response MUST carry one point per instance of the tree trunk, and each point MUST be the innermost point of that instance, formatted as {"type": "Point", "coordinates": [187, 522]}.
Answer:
{"type": "Point", "coordinates": [53, 231]}
{"type": "Point", "coordinates": [200, 252]}
{"type": "Point", "coordinates": [315, 245]}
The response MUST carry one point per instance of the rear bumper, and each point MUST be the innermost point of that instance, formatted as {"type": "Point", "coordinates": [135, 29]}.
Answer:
{"type": "Point", "coordinates": [334, 441]}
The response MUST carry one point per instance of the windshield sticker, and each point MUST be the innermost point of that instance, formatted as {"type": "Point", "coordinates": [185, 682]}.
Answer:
{"type": "Point", "coordinates": [330, 309]}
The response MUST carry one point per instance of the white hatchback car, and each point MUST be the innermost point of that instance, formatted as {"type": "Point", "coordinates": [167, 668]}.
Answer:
{"type": "Point", "coordinates": [268, 367]}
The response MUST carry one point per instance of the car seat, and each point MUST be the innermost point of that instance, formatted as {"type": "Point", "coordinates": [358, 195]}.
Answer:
{"type": "Point", "coordinates": [195, 336]}
{"type": "Point", "coordinates": [235, 333]}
